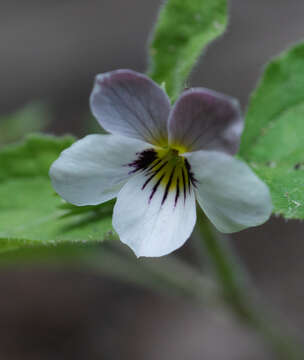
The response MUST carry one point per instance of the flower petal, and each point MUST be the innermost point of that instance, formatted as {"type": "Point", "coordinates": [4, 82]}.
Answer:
{"type": "Point", "coordinates": [147, 223]}
{"type": "Point", "coordinates": [231, 195]}
{"type": "Point", "coordinates": [94, 168]}
{"type": "Point", "coordinates": [205, 120]}
{"type": "Point", "coordinates": [128, 103]}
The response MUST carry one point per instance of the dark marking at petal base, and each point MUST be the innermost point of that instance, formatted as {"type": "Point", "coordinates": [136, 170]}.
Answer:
{"type": "Point", "coordinates": [168, 186]}
{"type": "Point", "coordinates": [144, 160]}
{"type": "Point", "coordinates": [177, 192]}
{"type": "Point", "coordinates": [150, 170]}
{"type": "Point", "coordinates": [165, 168]}
{"type": "Point", "coordinates": [155, 187]}
{"type": "Point", "coordinates": [184, 183]}
{"type": "Point", "coordinates": [152, 176]}
{"type": "Point", "coordinates": [152, 166]}
{"type": "Point", "coordinates": [191, 178]}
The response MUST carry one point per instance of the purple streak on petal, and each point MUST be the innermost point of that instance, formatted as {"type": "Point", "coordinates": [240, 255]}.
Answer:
{"type": "Point", "coordinates": [128, 103]}
{"type": "Point", "coordinates": [206, 120]}
{"type": "Point", "coordinates": [143, 160]}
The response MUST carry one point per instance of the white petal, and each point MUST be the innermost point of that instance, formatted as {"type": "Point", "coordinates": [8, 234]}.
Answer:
{"type": "Point", "coordinates": [149, 227]}
{"type": "Point", "coordinates": [94, 168]}
{"type": "Point", "coordinates": [128, 103]}
{"type": "Point", "coordinates": [231, 195]}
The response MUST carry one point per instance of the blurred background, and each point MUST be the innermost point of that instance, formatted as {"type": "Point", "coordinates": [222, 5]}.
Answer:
{"type": "Point", "coordinates": [50, 52]}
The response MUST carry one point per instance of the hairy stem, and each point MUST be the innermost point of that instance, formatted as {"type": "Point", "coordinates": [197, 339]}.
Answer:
{"type": "Point", "coordinates": [240, 297]}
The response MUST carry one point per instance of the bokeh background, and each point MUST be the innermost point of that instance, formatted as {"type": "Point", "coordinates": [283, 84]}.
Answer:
{"type": "Point", "coordinates": [51, 51]}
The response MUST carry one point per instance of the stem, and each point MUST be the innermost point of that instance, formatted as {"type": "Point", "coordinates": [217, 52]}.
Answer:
{"type": "Point", "coordinates": [240, 297]}
{"type": "Point", "coordinates": [173, 276]}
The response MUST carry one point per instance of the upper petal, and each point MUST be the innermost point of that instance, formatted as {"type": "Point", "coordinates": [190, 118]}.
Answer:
{"type": "Point", "coordinates": [128, 103]}
{"type": "Point", "coordinates": [147, 223]}
{"type": "Point", "coordinates": [202, 119]}
{"type": "Point", "coordinates": [94, 168]}
{"type": "Point", "coordinates": [230, 194]}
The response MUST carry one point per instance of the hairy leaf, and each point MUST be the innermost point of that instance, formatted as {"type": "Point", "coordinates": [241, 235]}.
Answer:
{"type": "Point", "coordinates": [273, 140]}
{"type": "Point", "coordinates": [30, 211]}
{"type": "Point", "coordinates": [183, 30]}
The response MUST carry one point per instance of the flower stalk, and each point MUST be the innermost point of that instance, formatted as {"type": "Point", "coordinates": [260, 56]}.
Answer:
{"type": "Point", "coordinates": [240, 297]}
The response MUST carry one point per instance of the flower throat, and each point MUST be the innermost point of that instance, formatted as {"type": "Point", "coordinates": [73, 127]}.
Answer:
{"type": "Point", "coordinates": [164, 168]}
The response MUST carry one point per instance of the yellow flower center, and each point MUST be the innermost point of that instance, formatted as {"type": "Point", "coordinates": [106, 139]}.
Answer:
{"type": "Point", "coordinates": [170, 167]}
{"type": "Point", "coordinates": [165, 167]}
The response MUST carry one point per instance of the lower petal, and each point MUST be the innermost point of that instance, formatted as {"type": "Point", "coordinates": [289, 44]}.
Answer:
{"type": "Point", "coordinates": [94, 169]}
{"type": "Point", "coordinates": [150, 222]}
{"type": "Point", "coordinates": [231, 195]}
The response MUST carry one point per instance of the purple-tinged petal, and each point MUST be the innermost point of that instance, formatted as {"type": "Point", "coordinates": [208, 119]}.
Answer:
{"type": "Point", "coordinates": [128, 103]}
{"type": "Point", "coordinates": [203, 119]}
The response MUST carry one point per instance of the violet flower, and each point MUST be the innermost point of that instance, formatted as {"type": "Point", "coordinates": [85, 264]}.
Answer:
{"type": "Point", "coordinates": [158, 161]}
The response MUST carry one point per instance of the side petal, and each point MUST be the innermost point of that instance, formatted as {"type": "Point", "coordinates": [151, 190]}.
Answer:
{"type": "Point", "coordinates": [150, 225]}
{"type": "Point", "coordinates": [128, 103]}
{"type": "Point", "coordinates": [94, 168]}
{"type": "Point", "coordinates": [205, 120]}
{"type": "Point", "coordinates": [231, 195]}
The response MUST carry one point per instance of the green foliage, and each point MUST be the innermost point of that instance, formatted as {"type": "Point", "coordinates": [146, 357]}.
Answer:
{"type": "Point", "coordinates": [273, 140]}
{"type": "Point", "coordinates": [183, 30]}
{"type": "Point", "coordinates": [63, 253]}
{"type": "Point", "coordinates": [30, 211]}
{"type": "Point", "coordinates": [33, 117]}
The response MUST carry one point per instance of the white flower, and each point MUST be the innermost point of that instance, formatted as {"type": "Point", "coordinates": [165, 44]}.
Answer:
{"type": "Point", "coordinates": [159, 161]}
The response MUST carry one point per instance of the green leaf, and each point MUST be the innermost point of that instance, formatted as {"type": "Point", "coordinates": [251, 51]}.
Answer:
{"type": "Point", "coordinates": [273, 139]}
{"type": "Point", "coordinates": [286, 185]}
{"type": "Point", "coordinates": [30, 211]}
{"type": "Point", "coordinates": [33, 117]}
{"type": "Point", "coordinates": [183, 30]}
